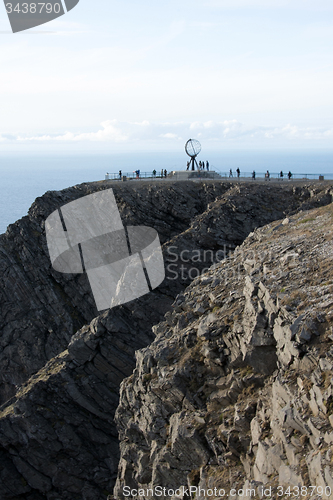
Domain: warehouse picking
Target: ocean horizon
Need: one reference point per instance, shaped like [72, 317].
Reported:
[27, 175]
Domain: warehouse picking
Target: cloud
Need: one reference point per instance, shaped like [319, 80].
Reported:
[169, 135]
[226, 132]
[108, 133]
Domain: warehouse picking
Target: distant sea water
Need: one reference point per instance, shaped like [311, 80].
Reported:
[27, 175]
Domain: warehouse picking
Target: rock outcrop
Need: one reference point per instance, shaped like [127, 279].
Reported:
[40, 308]
[57, 435]
[236, 389]
[62, 363]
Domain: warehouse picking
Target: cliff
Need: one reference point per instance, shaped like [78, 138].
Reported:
[62, 363]
[236, 389]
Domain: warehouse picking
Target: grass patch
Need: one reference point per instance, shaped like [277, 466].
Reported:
[327, 376]
[246, 370]
[329, 405]
[309, 219]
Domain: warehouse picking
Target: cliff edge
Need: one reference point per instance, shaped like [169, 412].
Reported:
[235, 392]
[62, 363]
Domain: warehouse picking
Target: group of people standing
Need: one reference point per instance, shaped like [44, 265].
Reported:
[237, 171]
[164, 173]
[201, 165]
[267, 174]
[281, 175]
[289, 175]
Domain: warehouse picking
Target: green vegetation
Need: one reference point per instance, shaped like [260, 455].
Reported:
[147, 377]
[310, 219]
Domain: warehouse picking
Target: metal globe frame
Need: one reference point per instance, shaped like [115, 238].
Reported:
[192, 149]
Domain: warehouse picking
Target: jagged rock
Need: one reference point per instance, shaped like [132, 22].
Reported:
[61, 368]
[267, 407]
[58, 434]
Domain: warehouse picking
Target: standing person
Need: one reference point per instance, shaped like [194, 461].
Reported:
[238, 172]
[119, 174]
[200, 165]
[253, 175]
[154, 173]
[281, 175]
[267, 176]
[289, 175]
[230, 173]
[165, 173]
[207, 165]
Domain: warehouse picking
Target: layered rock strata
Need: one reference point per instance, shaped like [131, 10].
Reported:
[57, 435]
[61, 365]
[236, 389]
[41, 309]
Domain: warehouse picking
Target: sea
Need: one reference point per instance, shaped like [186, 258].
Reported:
[25, 175]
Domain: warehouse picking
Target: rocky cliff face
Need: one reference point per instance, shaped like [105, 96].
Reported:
[40, 308]
[62, 363]
[236, 389]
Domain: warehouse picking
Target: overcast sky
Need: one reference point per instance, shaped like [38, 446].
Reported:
[130, 75]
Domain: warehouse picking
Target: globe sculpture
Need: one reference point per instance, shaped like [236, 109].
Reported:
[192, 149]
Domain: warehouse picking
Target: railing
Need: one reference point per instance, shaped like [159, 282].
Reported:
[275, 176]
[133, 175]
[215, 174]
[173, 174]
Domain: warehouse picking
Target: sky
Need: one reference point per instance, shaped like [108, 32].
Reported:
[130, 75]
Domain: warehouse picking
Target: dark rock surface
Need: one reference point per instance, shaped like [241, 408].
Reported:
[61, 363]
[40, 308]
[58, 432]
